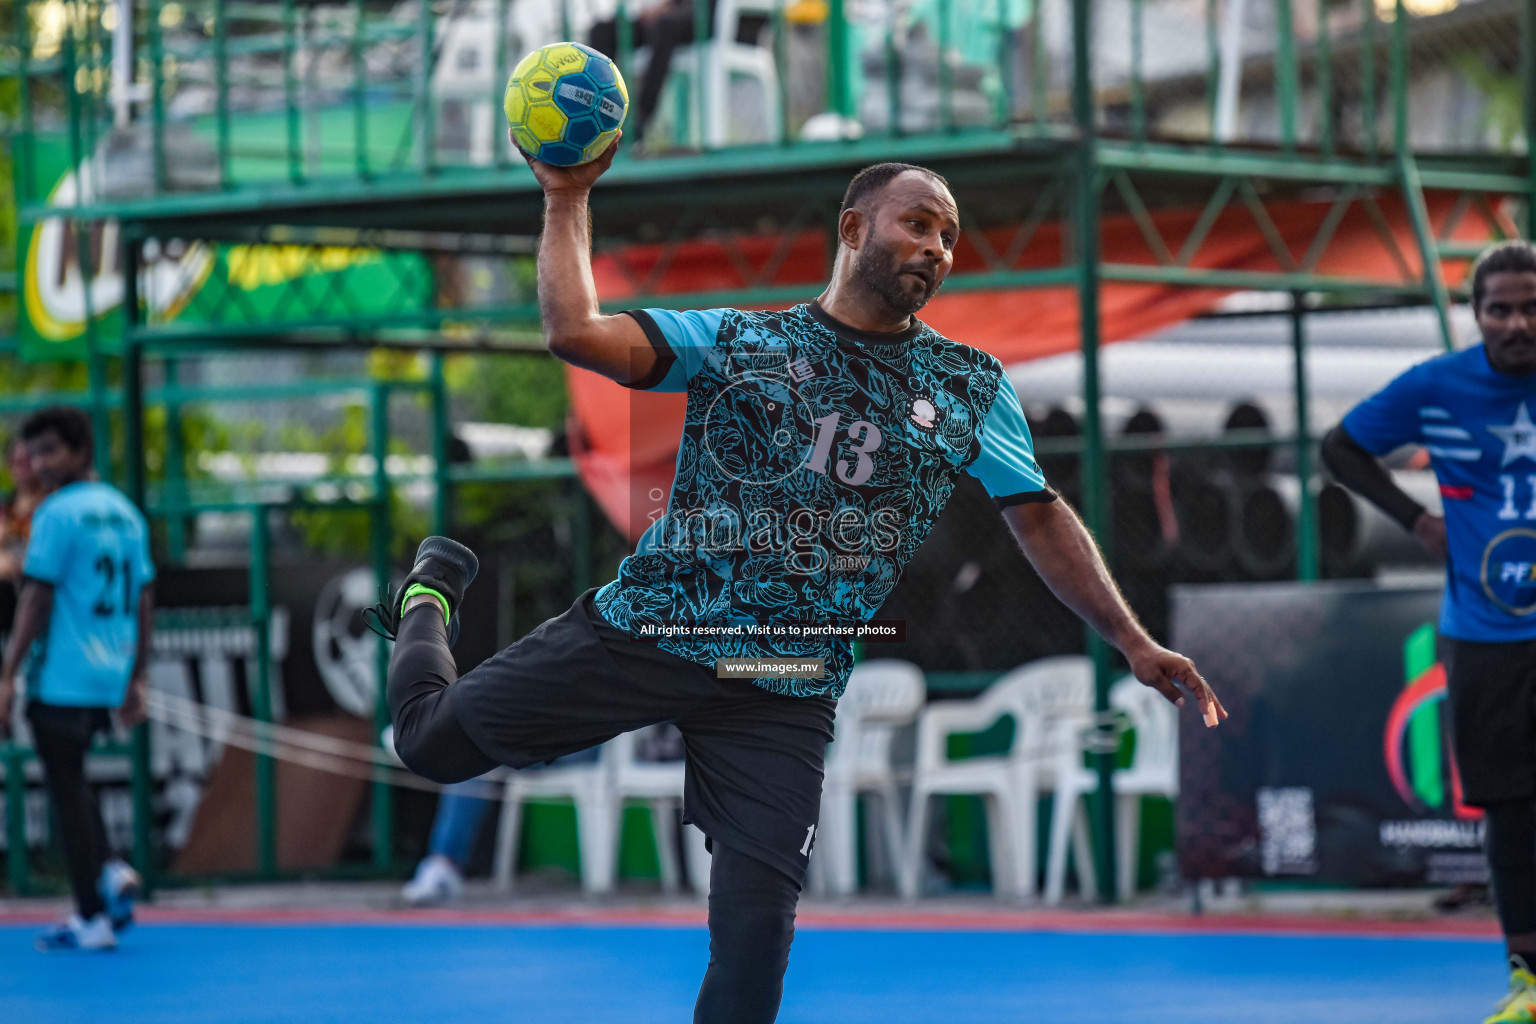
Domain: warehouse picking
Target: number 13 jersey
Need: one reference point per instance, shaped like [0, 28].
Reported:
[814, 460]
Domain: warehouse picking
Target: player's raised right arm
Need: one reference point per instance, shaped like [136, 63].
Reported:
[574, 327]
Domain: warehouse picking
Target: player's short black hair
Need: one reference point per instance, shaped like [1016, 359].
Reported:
[69, 424]
[872, 179]
[1516, 257]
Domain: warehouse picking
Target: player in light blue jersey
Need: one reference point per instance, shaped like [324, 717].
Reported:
[819, 446]
[1471, 410]
[83, 619]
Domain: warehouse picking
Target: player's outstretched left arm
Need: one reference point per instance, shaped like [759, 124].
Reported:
[1064, 553]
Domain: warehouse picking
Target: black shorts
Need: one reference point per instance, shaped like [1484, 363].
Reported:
[753, 758]
[1492, 696]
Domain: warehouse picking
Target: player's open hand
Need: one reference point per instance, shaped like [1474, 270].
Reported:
[1166, 671]
[578, 178]
[1429, 530]
[135, 706]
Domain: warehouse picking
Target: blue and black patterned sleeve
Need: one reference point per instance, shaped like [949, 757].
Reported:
[1006, 464]
[682, 340]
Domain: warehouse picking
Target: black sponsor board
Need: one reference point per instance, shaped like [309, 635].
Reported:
[1335, 764]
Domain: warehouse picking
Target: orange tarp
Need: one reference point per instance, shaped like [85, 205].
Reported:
[625, 442]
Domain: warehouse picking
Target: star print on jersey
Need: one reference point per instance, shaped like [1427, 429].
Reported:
[1519, 438]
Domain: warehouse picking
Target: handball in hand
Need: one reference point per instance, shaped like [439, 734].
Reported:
[565, 103]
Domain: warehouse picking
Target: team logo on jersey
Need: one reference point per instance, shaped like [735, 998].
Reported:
[1509, 571]
[923, 412]
[801, 370]
[1519, 438]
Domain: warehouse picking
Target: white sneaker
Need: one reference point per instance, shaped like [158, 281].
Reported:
[437, 880]
[78, 933]
[119, 885]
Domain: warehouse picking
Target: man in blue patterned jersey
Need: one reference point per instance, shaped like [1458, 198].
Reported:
[1471, 410]
[819, 447]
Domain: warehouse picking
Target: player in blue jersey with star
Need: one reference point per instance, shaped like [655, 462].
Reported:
[1471, 410]
[83, 617]
[819, 446]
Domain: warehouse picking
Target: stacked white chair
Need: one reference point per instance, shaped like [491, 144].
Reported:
[599, 789]
[587, 785]
[725, 59]
[1039, 697]
[882, 696]
[660, 784]
[1154, 771]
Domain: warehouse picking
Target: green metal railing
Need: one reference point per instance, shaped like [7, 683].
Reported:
[174, 500]
[282, 138]
[247, 89]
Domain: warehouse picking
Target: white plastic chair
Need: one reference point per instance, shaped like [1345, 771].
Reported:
[724, 59]
[1038, 696]
[588, 785]
[1154, 771]
[660, 784]
[883, 695]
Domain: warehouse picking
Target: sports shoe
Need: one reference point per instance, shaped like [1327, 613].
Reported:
[119, 885]
[78, 933]
[437, 880]
[1519, 1007]
[443, 567]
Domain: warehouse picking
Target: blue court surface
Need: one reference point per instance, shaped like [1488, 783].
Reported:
[213, 973]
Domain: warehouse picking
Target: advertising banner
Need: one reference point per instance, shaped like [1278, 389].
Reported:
[69, 282]
[1336, 763]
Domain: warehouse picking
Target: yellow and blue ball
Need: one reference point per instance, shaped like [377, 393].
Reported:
[565, 103]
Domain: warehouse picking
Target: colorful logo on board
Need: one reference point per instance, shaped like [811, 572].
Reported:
[1422, 768]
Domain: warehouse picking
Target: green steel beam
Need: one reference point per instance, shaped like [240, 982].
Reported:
[1253, 280]
[1285, 73]
[1324, 72]
[1399, 72]
[133, 485]
[378, 536]
[266, 766]
[1463, 175]
[839, 74]
[1307, 540]
[271, 201]
[1085, 254]
[441, 433]
[1528, 78]
[1424, 236]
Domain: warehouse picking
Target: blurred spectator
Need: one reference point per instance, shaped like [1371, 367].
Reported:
[16, 509]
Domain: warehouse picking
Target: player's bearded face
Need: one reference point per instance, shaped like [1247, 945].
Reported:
[1507, 320]
[905, 286]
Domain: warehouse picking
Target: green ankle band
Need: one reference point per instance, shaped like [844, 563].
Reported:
[417, 588]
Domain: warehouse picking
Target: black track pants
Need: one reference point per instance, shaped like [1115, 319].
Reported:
[1510, 838]
[61, 736]
[751, 924]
